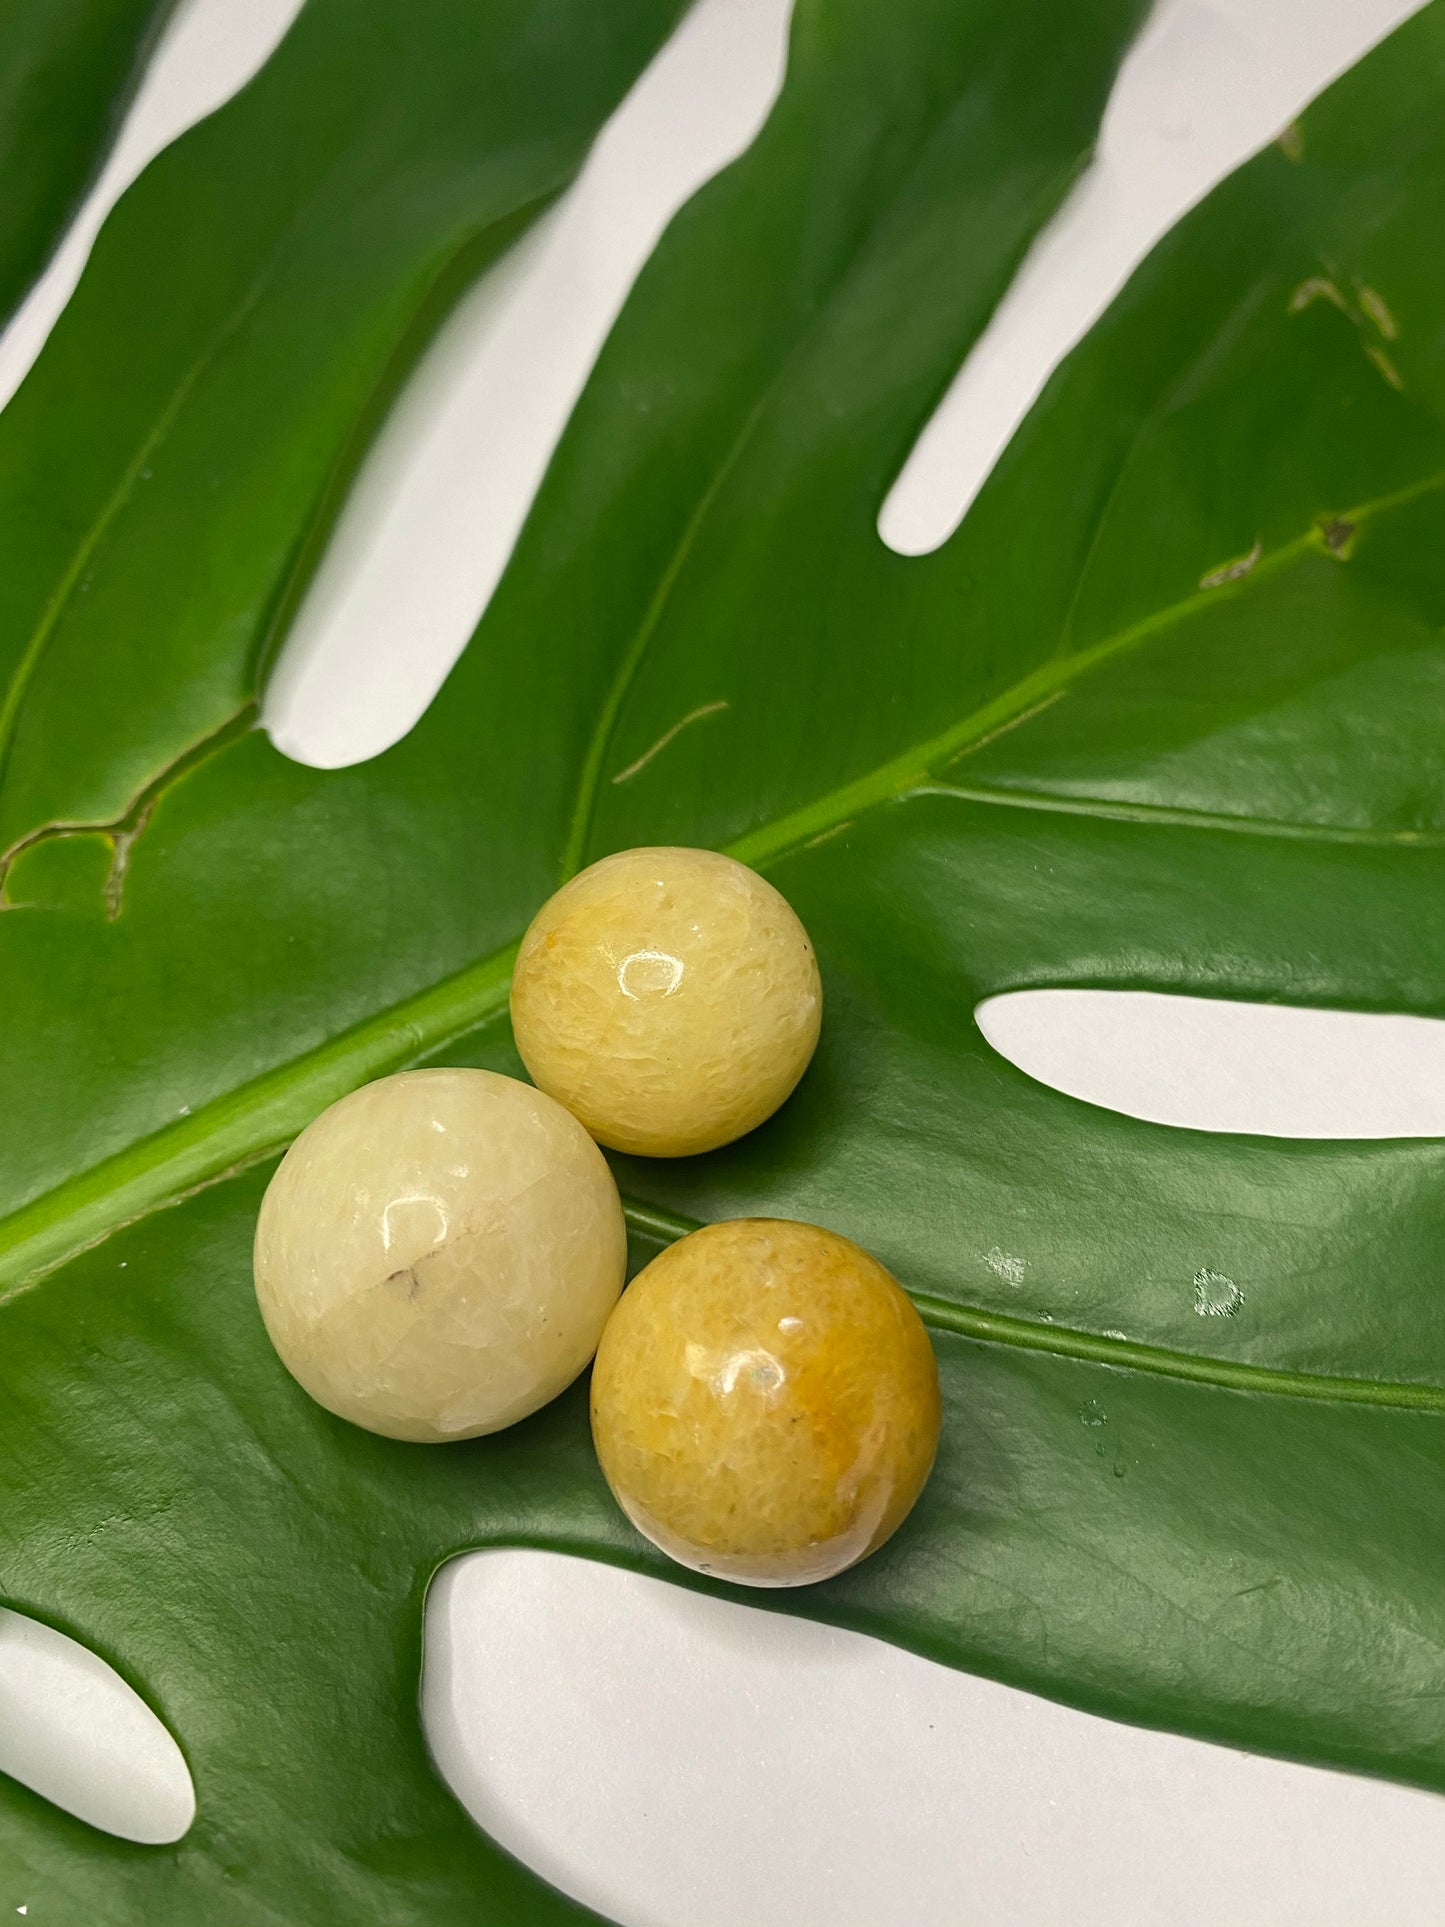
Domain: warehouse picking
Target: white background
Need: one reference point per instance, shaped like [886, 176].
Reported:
[681, 1762]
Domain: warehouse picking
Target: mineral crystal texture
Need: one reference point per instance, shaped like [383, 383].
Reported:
[669, 998]
[765, 1402]
[438, 1252]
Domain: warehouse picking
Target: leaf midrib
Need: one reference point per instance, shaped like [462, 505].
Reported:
[258, 1118]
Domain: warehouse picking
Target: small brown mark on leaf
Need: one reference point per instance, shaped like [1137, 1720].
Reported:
[1337, 535]
[1291, 141]
[1372, 303]
[1319, 287]
[122, 843]
[1013, 722]
[125, 830]
[824, 835]
[693, 716]
[1386, 367]
[1232, 571]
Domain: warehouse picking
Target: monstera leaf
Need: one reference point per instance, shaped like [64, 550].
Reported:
[1163, 713]
[66, 72]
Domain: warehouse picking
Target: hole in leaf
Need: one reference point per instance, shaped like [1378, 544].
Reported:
[666, 1757]
[435, 510]
[1201, 90]
[208, 52]
[1215, 1065]
[72, 1730]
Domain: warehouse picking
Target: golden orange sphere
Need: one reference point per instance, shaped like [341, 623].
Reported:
[765, 1402]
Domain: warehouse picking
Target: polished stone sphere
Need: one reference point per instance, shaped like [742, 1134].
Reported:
[669, 998]
[765, 1402]
[437, 1253]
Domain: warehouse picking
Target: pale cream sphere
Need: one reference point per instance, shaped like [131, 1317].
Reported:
[438, 1252]
[669, 998]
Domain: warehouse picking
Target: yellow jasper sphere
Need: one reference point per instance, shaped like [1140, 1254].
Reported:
[669, 998]
[765, 1403]
[437, 1254]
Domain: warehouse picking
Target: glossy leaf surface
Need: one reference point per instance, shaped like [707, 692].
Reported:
[1161, 715]
[67, 69]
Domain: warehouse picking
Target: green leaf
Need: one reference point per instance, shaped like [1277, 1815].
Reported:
[264, 287]
[67, 72]
[1081, 744]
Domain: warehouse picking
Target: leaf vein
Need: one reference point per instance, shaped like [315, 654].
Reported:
[1105, 810]
[64, 592]
[912, 768]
